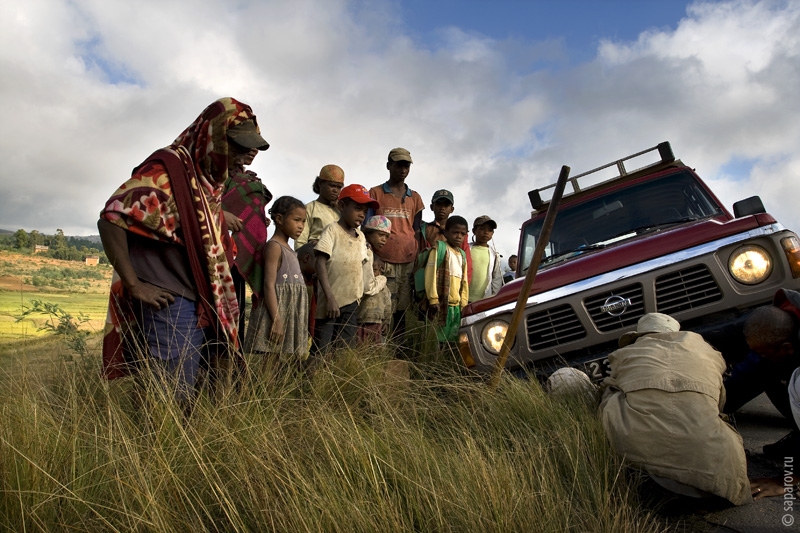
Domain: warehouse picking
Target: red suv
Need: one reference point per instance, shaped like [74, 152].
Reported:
[655, 239]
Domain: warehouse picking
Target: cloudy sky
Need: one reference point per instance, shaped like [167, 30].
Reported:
[490, 97]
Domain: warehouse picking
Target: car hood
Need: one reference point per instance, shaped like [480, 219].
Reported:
[621, 254]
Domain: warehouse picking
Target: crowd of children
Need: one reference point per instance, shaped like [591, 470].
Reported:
[357, 254]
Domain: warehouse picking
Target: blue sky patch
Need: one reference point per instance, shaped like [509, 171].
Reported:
[96, 60]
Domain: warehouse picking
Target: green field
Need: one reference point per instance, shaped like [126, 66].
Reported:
[13, 303]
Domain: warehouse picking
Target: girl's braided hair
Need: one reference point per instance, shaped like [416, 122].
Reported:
[283, 206]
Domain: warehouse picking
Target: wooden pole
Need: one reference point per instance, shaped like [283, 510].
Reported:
[525, 291]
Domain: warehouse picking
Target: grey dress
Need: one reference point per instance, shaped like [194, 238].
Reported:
[293, 308]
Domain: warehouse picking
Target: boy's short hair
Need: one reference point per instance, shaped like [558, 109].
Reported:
[306, 250]
[456, 221]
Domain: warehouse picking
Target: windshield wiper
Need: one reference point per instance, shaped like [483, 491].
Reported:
[562, 255]
[650, 227]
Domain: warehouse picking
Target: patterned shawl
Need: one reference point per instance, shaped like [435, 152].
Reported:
[247, 198]
[174, 197]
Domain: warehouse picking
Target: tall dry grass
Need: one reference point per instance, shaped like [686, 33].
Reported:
[352, 448]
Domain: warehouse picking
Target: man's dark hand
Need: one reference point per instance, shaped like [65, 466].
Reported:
[155, 297]
[234, 223]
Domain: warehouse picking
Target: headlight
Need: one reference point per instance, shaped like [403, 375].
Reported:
[750, 264]
[493, 334]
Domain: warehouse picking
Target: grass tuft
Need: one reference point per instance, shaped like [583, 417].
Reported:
[358, 446]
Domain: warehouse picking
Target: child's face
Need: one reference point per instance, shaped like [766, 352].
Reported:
[376, 239]
[353, 214]
[398, 170]
[442, 209]
[512, 263]
[377, 268]
[483, 234]
[293, 222]
[455, 235]
[329, 190]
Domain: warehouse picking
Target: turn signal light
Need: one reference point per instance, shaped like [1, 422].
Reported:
[463, 349]
[791, 247]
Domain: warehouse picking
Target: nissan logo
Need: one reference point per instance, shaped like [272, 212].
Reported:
[615, 305]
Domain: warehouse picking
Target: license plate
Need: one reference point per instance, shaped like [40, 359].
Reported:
[598, 369]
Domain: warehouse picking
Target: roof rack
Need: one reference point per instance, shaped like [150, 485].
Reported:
[664, 151]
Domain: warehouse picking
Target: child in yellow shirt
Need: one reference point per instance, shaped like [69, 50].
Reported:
[446, 285]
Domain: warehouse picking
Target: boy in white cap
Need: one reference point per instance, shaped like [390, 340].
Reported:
[375, 309]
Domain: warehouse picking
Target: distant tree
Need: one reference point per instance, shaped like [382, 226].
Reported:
[36, 238]
[22, 240]
[59, 240]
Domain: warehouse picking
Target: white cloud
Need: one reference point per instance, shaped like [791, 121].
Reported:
[91, 87]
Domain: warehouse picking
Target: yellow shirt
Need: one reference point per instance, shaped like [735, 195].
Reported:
[318, 215]
[458, 294]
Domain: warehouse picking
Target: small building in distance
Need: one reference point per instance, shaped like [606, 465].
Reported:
[40, 248]
[92, 260]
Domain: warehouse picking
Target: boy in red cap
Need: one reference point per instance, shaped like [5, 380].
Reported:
[340, 255]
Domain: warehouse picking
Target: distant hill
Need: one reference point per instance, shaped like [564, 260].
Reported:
[90, 238]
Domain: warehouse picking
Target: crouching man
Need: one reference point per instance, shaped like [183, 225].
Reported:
[661, 410]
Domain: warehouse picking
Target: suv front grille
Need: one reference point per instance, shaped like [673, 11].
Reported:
[553, 327]
[686, 289]
[604, 321]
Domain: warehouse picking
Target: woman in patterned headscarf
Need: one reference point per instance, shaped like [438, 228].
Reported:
[172, 295]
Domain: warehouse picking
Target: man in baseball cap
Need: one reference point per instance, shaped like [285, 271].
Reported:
[247, 135]
[487, 277]
[404, 208]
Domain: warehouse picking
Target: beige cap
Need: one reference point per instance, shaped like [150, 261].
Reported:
[650, 323]
[332, 173]
[400, 154]
[484, 219]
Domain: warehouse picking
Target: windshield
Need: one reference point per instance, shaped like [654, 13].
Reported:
[620, 215]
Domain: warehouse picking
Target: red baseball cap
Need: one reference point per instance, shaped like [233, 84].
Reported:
[360, 195]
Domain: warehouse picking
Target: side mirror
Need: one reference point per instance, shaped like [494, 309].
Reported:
[748, 206]
[535, 199]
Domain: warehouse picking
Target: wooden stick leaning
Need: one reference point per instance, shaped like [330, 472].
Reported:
[525, 291]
